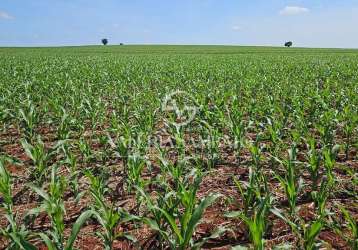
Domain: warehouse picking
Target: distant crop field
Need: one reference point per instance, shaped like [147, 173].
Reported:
[178, 147]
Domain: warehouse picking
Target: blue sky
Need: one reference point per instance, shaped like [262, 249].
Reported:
[310, 23]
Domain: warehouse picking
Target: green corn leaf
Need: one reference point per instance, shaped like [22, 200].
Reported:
[283, 247]
[151, 223]
[351, 222]
[27, 245]
[39, 191]
[217, 233]
[315, 229]
[197, 215]
[279, 214]
[15, 238]
[77, 227]
[239, 248]
[47, 241]
[172, 223]
[234, 214]
[100, 219]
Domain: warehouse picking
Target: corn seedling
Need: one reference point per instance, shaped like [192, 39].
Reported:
[29, 119]
[352, 225]
[181, 219]
[350, 121]
[237, 127]
[54, 206]
[106, 214]
[306, 232]
[135, 167]
[64, 130]
[18, 236]
[41, 158]
[291, 183]
[256, 222]
[253, 191]
[74, 173]
[314, 161]
[86, 151]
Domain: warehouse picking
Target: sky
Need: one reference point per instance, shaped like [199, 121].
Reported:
[308, 23]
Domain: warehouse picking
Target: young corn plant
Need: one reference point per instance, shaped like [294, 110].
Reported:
[18, 236]
[107, 214]
[256, 187]
[237, 127]
[314, 162]
[41, 158]
[275, 133]
[350, 121]
[63, 130]
[177, 171]
[352, 226]
[180, 144]
[178, 222]
[329, 156]
[54, 206]
[86, 151]
[306, 232]
[214, 147]
[165, 199]
[29, 120]
[256, 201]
[255, 221]
[211, 144]
[256, 154]
[321, 195]
[291, 182]
[135, 166]
[5, 116]
[123, 148]
[252, 191]
[71, 162]
[326, 128]
[124, 145]
[105, 153]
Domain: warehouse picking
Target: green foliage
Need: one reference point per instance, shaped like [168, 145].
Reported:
[352, 225]
[307, 232]
[54, 206]
[177, 213]
[107, 214]
[256, 221]
[291, 183]
[268, 117]
[41, 158]
[19, 236]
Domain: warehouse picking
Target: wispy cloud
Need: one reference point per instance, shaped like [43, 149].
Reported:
[293, 10]
[5, 15]
[236, 28]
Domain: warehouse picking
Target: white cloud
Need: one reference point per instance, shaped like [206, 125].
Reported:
[293, 10]
[236, 28]
[4, 15]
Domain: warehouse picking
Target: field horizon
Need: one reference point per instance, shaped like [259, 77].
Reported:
[178, 45]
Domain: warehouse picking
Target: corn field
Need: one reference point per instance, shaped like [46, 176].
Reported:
[178, 147]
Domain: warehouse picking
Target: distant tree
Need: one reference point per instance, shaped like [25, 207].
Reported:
[121, 44]
[104, 41]
[288, 44]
